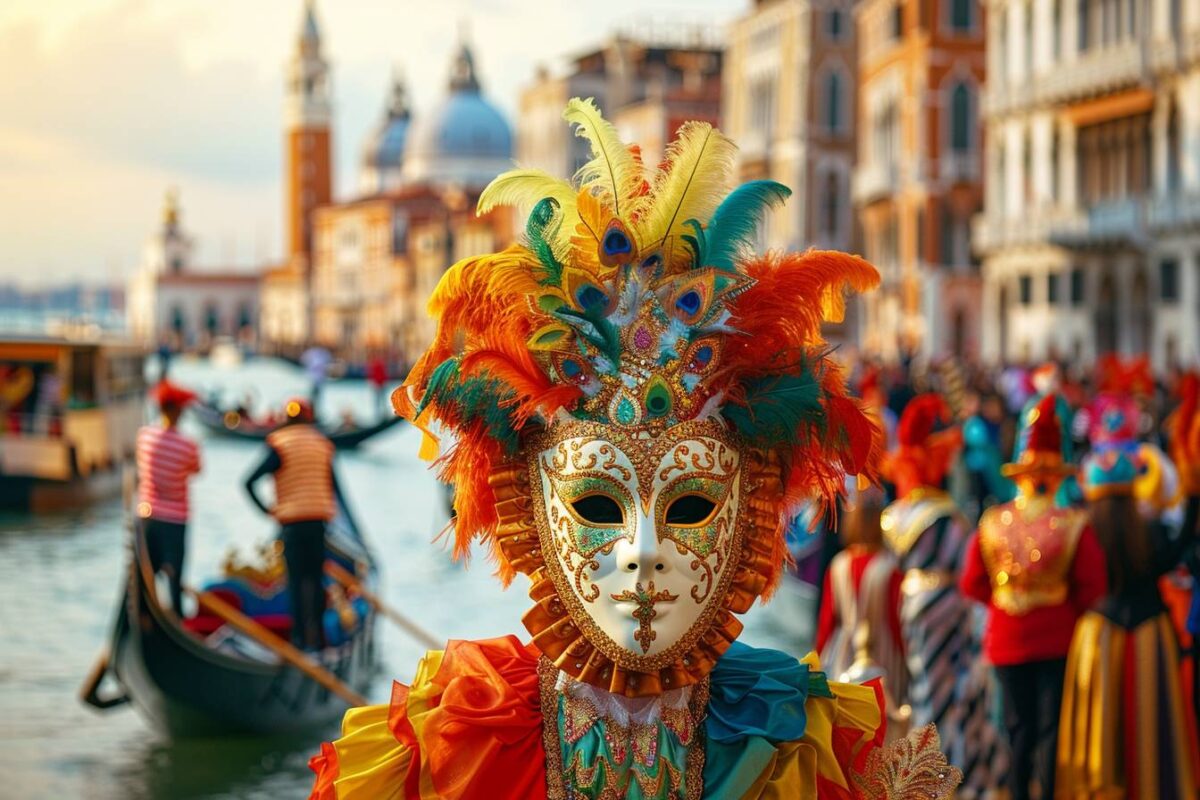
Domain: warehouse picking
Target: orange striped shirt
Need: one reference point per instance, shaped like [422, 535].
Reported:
[165, 460]
[304, 480]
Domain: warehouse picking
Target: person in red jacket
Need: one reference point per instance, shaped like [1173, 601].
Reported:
[1038, 567]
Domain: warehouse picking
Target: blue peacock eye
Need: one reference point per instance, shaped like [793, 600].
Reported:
[590, 296]
[652, 261]
[702, 356]
[616, 243]
[571, 368]
[689, 302]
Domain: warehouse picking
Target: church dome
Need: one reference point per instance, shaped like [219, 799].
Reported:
[383, 153]
[465, 139]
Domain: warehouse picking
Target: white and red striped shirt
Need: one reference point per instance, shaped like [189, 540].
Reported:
[165, 460]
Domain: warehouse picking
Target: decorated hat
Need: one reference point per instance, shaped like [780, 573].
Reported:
[166, 394]
[1107, 472]
[634, 403]
[1042, 453]
[922, 456]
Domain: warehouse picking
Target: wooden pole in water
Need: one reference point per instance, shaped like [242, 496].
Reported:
[284, 650]
[342, 576]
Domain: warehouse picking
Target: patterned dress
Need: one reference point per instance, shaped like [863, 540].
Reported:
[949, 684]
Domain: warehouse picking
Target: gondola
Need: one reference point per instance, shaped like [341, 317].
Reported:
[230, 423]
[187, 688]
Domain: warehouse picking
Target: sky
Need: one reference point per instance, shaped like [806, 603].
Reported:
[105, 104]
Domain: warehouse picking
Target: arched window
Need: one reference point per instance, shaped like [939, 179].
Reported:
[834, 105]
[961, 102]
[961, 15]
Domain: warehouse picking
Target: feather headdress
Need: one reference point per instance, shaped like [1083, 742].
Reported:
[635, 300]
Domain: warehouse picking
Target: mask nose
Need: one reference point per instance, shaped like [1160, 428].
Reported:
[642, 556]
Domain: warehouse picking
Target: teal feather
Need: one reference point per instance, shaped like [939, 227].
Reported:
[539, 229]
[601, 333]
[475, 399]
[444, 376]
[695, 244]
[776, 408]
[734, 224]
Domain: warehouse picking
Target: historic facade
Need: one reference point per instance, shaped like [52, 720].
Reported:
[1091, 229]
[169, 301]
[918, 181]
[648, 82]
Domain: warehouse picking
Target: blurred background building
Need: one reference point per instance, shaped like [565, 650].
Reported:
[918, 180]
[1089, 232]
[172, 302]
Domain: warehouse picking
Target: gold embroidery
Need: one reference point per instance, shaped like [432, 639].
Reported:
[644, 612]
[905, 520]
[1028, 553]
[909, 768]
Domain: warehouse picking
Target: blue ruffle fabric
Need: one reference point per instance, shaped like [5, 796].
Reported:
[756, 700]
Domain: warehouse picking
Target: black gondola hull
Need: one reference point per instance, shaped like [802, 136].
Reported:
[217, 422]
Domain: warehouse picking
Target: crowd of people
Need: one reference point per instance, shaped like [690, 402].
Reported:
[1024, 578]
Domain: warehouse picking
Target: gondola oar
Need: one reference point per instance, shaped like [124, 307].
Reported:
[283, 649]
[342, 576]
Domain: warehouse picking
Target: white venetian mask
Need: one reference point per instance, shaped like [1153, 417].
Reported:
[641, 533]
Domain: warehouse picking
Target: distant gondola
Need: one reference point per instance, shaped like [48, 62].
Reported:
[188, 688]
[231, 423]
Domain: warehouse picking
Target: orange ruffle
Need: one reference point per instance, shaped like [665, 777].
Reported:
[469, 727]
[557, 636]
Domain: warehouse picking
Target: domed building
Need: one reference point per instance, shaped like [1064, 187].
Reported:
[465, 140]
[383, 153]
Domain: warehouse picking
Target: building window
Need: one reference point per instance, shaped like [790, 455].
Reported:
[1077, 288]
[1025, 289]
[762, 106]
[1056, 29]
[1168, 280]
[833, 102]
[961, 15]
[960, 118]
[836, 23]
[946, 242]
[1052, 288]
[897, 21]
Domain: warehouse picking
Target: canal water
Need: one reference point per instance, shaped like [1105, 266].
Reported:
[60, 576]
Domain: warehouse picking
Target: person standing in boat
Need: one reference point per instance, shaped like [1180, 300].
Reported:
[300, 458]
[166, 460]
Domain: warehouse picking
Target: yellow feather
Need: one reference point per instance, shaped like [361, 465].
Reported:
[691, 186]
[613, 167]
[523, 189]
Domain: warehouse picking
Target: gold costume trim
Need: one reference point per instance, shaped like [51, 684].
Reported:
[908, 768]
[1028, 546]
[904, 521]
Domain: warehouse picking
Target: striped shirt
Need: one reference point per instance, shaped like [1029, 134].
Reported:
[304, 480]
[165, 460]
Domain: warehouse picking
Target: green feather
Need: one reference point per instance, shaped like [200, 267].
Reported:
[601, 333]
[539, 230]
[736, 220]
[777, 407]
[443, 377]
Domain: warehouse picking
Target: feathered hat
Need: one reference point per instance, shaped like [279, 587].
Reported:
[1042, 454]
[922, 456]
[634, 300]
[166, 394]
[1183, 427]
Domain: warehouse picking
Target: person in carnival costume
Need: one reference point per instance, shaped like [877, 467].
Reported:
[1046, 381]
[1125, 730]
[637, 405]
[927, 533]
[860, 604]
[1183, 430]
[1037, 566]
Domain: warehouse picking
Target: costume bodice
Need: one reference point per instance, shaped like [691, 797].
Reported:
[926, 531]
[1028, 546]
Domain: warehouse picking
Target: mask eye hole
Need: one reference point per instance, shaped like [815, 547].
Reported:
[690, 509]
[598, 509]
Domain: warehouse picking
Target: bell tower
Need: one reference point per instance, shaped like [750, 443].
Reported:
[307, 122]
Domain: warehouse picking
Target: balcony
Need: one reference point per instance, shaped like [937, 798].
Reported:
[1174, 212]
[1092, 72]
[959, 167]
[991, 232]
[1112, 222]
[875, 182]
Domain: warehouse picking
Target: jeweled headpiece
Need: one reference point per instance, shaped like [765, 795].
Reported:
[637, 401]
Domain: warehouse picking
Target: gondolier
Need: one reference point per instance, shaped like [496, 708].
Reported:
[166, 460]
[300, 457]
